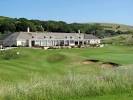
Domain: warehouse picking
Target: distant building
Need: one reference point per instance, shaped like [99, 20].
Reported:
[33, 39]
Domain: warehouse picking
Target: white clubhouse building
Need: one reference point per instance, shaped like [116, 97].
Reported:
[48, 39]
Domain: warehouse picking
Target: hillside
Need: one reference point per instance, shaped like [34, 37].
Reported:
[101, 30]
[107, 26]
[126, 39]
[3, 17]
[115, 27]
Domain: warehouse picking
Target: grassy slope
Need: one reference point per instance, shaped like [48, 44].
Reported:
[39, 62]
[35, 61]
[122, 27]
[126, 39]
[2, 17]
[111, 25]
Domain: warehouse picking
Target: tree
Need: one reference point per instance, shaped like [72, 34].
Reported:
[15, 25]
[39, 28]
[94, 29]
[7, 27]
[22, 25]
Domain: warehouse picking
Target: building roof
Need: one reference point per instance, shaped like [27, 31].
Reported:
[48, 35]
[23, 35]
[12, 36]
[90, 36]
[3, 36]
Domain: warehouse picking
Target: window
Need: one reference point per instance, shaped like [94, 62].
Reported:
[44, 37]
[50, 37]
[71, 37]
[32, 36]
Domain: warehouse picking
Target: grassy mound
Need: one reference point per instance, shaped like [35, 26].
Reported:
[56, 58]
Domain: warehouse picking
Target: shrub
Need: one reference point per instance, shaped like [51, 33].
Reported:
[13, 45]
[9, 54]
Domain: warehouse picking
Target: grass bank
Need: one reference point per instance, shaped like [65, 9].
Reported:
[60, 74]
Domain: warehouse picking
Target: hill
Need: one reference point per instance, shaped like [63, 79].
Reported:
[101, 30]
[115, 27]
[126, 39]
[3, 17]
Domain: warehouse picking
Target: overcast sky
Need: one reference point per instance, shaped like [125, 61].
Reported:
[111, 11]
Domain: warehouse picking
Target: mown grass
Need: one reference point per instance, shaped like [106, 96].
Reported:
[61, 75]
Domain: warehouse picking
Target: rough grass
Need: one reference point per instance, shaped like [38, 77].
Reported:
[72, 86]
[60, 74]
[126, 39]
[9, 54]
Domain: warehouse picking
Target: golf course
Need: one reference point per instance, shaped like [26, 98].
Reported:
[67, 74]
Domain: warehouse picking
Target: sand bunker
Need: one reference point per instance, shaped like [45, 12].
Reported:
[109, 65]
[90, 61]
[101, 63]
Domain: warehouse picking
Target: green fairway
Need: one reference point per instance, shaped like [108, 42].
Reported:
[37, 74]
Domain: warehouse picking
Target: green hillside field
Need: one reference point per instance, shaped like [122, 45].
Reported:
[126, 39]
[65, 74]
[113, 26]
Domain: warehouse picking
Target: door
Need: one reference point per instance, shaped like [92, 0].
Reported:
[33, 43]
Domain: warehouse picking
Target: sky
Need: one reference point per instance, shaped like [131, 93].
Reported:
[83, 11]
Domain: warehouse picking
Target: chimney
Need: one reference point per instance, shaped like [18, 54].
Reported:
[42, 28]
[28, 29]
[78, 31]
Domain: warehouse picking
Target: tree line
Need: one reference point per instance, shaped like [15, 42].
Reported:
[9, 25]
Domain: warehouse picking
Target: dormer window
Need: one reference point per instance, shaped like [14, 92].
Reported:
[50, 37]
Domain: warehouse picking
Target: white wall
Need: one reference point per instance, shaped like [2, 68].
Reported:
[95, 41]
[22, 43]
